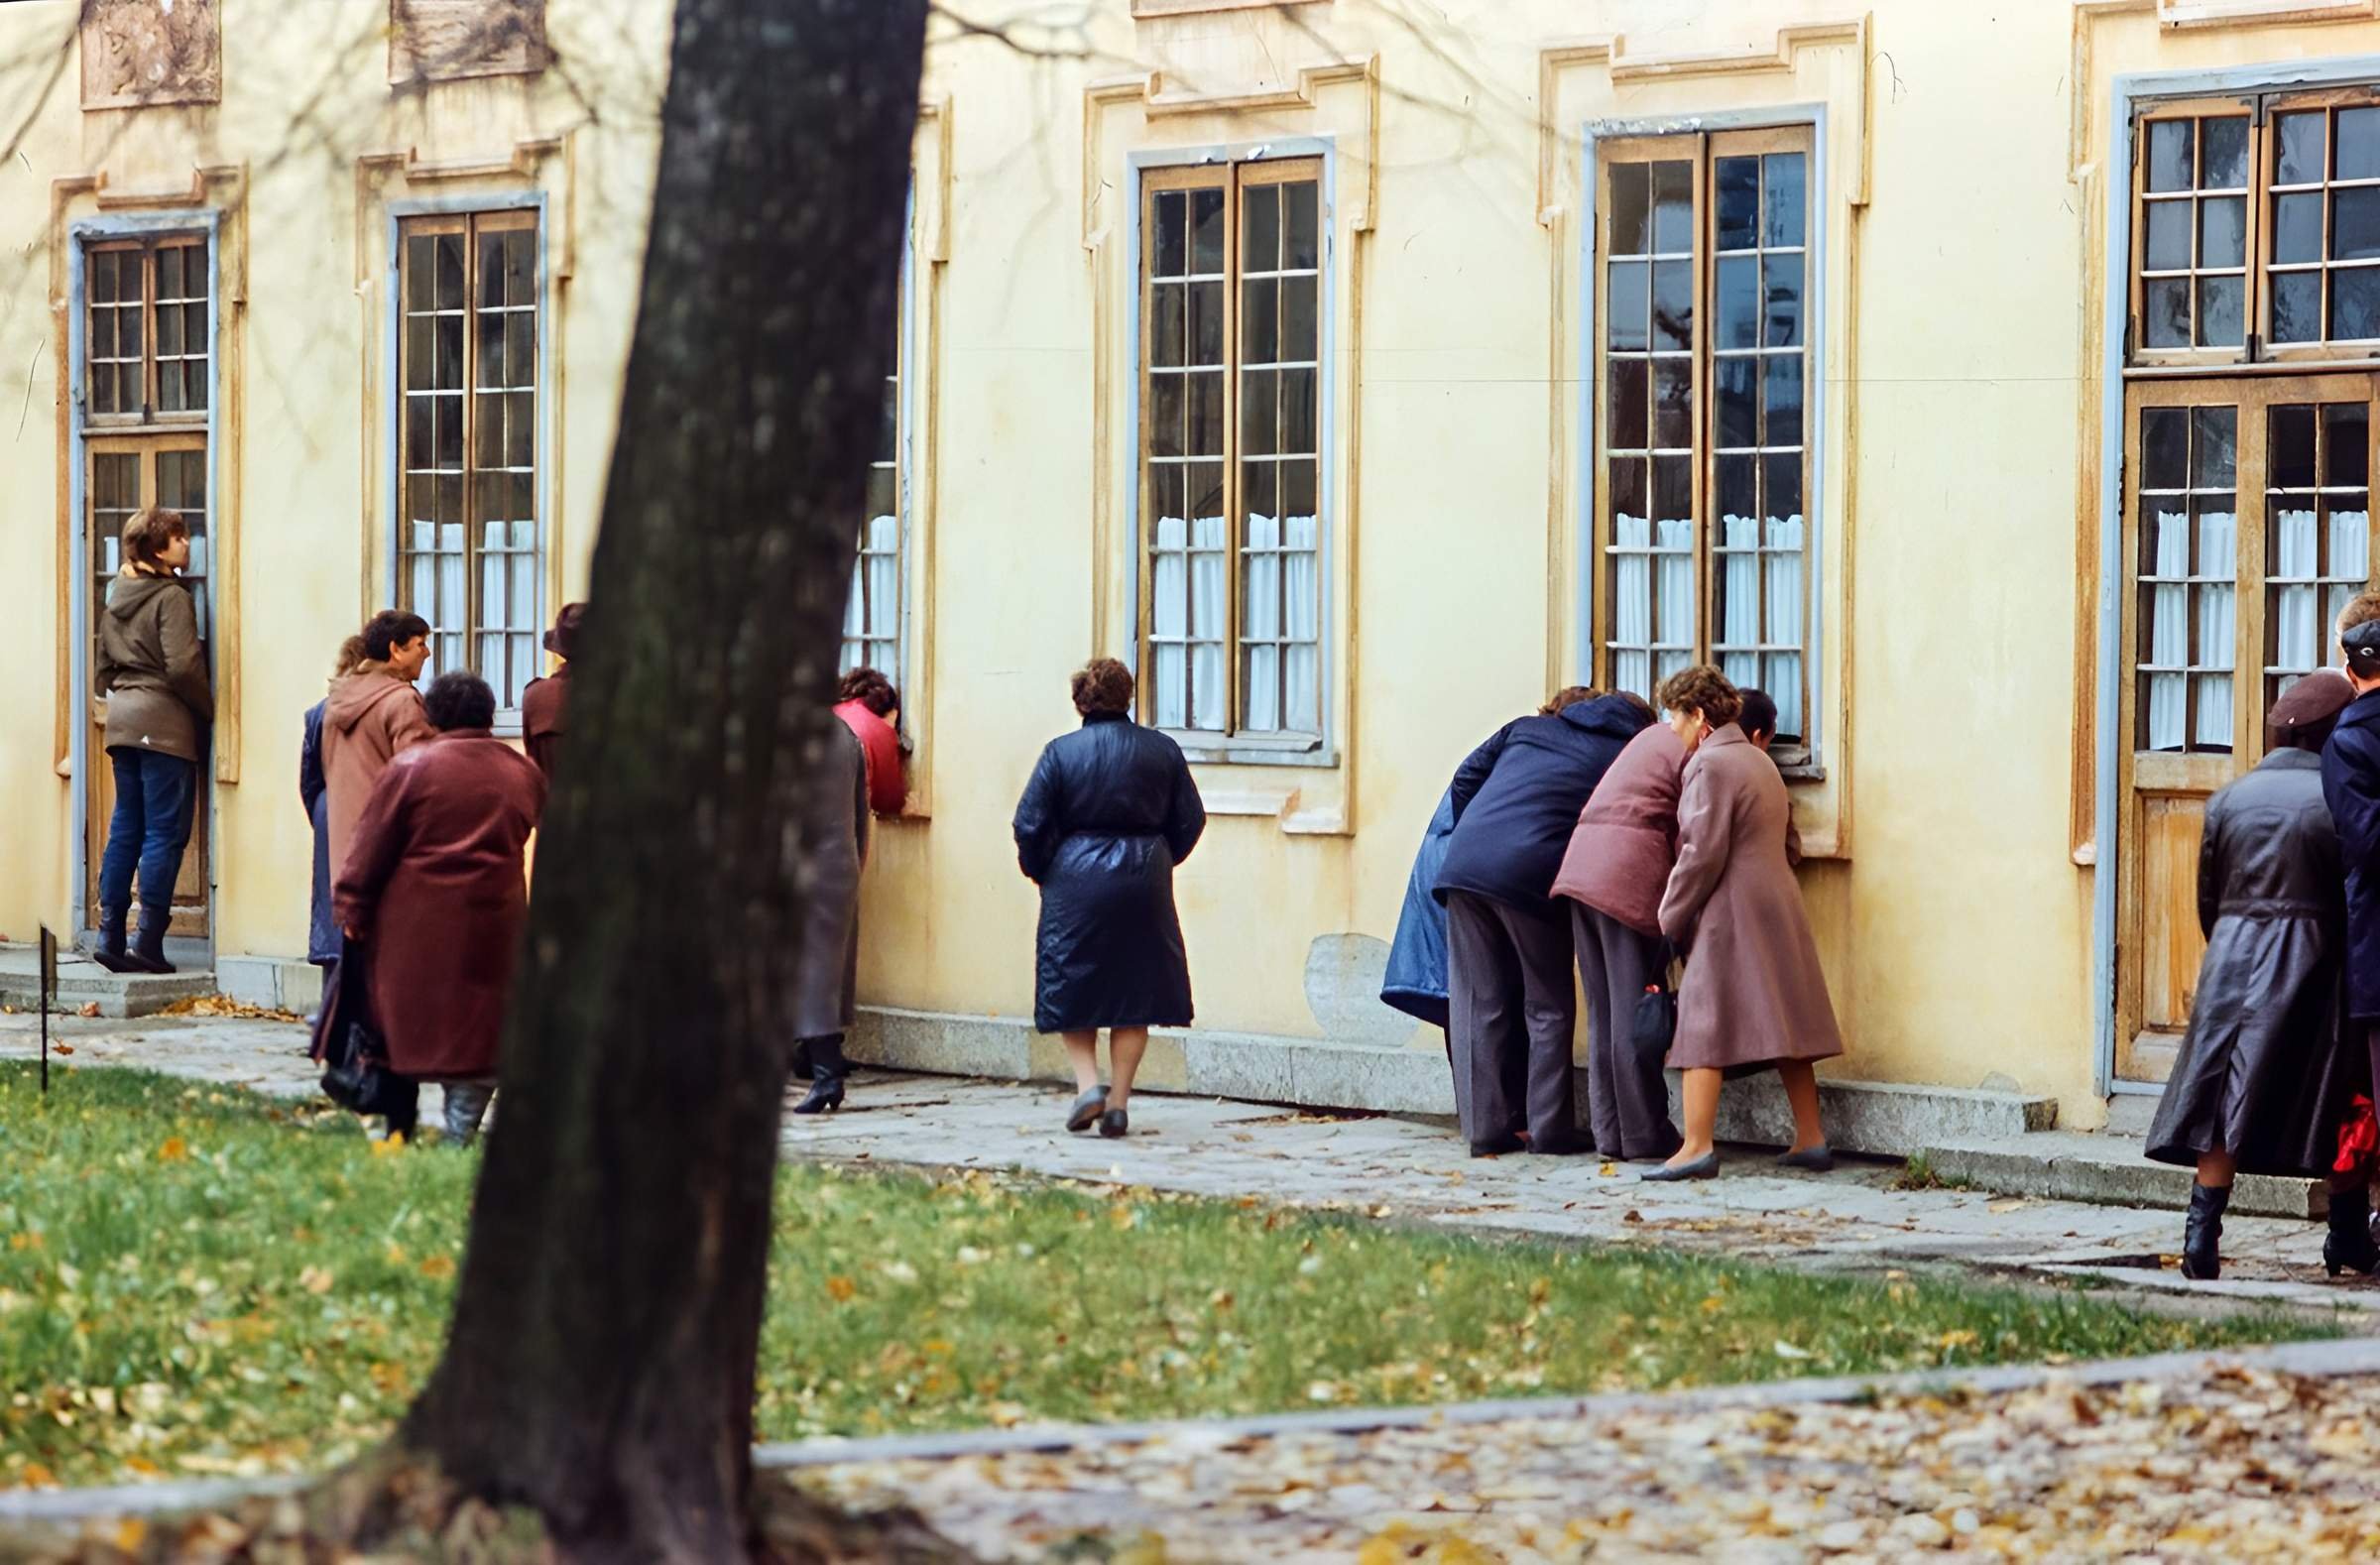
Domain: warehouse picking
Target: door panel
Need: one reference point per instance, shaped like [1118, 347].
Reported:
[2246, 525]
[125, 474]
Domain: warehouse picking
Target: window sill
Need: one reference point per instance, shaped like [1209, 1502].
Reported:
[1802, 770]
[1205, 750]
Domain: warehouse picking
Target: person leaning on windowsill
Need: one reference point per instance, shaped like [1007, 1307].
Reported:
[871, 708]
[1754, 997]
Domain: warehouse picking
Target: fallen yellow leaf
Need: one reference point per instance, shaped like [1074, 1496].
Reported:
[841, 1289]
[174, 1150]
[315, 1280]
[438, 1267]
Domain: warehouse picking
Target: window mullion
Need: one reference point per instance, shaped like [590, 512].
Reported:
[1705, 390]
[1235, 524]
[468, 657]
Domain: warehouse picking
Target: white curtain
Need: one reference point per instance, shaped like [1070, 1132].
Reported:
[494, 598]
[195, 570]
[1739, 622]
[1169, 616]
[1260, 622]
[2219, 554]
[2169, 633]
[2297, 632]
[1783, 589]
[1674, 597]
[1302, 584]
[2350, 566]
[1631, 607]
[1207, 561]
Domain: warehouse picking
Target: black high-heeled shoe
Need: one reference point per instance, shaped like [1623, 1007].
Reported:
[826, 1092]
[2203, 1232]
[2350, 1245]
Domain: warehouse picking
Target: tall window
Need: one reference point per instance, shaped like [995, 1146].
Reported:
[2256, 232]
[872, 620]
[147, 374]
[1231, 449]
[1702, 262]
[469, 546]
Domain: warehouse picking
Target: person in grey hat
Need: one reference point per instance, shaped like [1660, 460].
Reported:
[2264, 1079]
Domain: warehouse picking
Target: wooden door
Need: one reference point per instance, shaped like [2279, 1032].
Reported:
[126, 473]
[2247, 525]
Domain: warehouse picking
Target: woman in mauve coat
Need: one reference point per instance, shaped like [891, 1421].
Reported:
[1613, 874]
[1754, 997]
[826, 985]
[1110, 811]
[433, 893]
[545, 704]
[2262, 1083]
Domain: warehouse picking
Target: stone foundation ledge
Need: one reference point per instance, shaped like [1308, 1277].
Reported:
[1882, 1119]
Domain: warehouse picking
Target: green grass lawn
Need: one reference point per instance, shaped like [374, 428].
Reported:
[201, 1280]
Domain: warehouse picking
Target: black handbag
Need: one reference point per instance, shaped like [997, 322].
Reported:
[355, 1061]
[1656, 1024]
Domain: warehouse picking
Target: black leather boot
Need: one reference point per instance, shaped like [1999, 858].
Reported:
[149, 950]
[827, 1069]
[2350, 1246]
[110, 952]
[2203, 1232]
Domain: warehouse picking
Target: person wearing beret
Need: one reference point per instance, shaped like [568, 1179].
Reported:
[545, 704]
[2264, 1078]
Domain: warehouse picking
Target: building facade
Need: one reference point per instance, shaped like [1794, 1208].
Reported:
[1992, 385]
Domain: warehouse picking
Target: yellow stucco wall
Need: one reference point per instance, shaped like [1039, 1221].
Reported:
[1961, 349]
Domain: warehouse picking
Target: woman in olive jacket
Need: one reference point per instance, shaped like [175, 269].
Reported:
[152, 669]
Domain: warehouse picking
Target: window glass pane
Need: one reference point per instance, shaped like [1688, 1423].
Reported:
[1206, 323]
[1673, 305]
[2224, 153]
[2355, 224]
[2355, 304]
[2298, 306]
[1629, 394]
[1736, 408]
[2166, 305]
[2223, 311]
[1784, 199]
[1737, 282]
[2222, 231]
[2301, 151]
[1736, 183]
[2172, 155]
[2346, 445]
[2290, 458]
[1673, 404]
[1631, 210]
[1672, 208]
[1206, 232]
[1171, 247]
[2167, 224]
[2358, 143]
[1781, 400]
[1782, 275]
[2163, 447]
[1301, 228]
[1628, 297]
[1301, 329]
[2213, 446]
[1261, 228]
[2297, 228]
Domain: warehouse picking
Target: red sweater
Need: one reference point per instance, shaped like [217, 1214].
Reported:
[880, 745]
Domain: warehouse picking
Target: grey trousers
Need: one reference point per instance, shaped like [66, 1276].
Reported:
[1512, 1018]
[466, 1105]
[1627, 1099]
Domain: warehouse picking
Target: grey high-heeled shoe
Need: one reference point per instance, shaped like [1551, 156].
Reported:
[1087, 1110]
[1702, 1167]
[1814, 1159]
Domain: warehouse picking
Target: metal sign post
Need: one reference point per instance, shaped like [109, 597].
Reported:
[48, 988]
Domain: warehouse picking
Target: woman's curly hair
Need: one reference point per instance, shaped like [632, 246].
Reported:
[1704, 690]
[1103, 685]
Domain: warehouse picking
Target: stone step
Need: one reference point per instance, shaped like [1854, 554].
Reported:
[2110, 1170]
[82, 982]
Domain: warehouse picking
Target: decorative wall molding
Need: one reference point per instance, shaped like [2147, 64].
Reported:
[136, 54]
[456, 39]
[2180, 14]
[1144, 9]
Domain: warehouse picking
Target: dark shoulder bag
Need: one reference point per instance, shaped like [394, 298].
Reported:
[355, 1061]
[1656, 1025]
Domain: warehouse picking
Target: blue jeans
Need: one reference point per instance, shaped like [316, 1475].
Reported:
[156, 801]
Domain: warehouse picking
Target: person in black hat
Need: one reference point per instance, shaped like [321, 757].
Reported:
[545, 704]
[2351, 788]
[2264, 1080]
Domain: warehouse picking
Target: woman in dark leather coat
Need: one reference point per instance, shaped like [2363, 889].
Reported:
[1110, 811]
[2262, 1082]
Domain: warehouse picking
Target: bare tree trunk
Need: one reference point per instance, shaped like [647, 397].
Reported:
[602, 1359]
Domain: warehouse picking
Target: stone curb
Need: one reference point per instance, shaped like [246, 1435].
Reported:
[2318, 1360]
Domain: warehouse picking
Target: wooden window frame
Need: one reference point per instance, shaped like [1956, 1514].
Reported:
[1232, 178]
[149, 247]
[2258, 353]
[472, 226]
[1703, 149]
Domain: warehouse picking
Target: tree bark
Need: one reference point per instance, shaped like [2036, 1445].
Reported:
[601, 1363]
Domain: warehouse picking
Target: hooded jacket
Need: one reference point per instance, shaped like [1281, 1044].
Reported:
[1519, 795]
[152, 667]
[369, 717]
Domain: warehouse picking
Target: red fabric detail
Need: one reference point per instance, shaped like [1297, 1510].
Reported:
[2358, 1138]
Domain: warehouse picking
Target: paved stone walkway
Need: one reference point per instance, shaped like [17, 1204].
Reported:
[1406, 1171]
